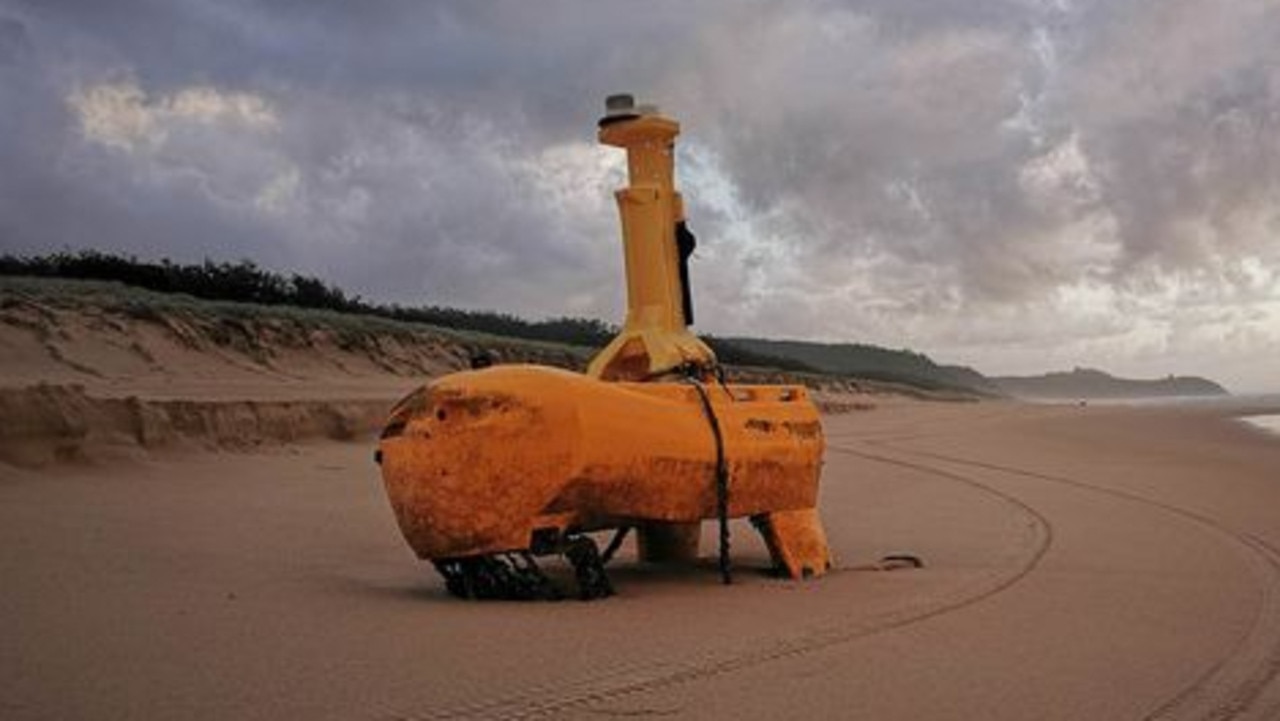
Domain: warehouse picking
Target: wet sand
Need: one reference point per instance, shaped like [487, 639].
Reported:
[1081, 563]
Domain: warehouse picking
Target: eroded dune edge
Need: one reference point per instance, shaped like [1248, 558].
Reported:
[52, 423]
[93, 370]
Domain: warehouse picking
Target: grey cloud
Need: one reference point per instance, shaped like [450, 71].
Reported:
[14, 44]
[893, 167]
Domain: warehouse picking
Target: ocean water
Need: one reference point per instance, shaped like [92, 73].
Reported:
[1258, 410]
[1266, 423]
[1253, 405]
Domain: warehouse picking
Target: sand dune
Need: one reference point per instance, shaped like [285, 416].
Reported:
[118, 341]
[94, 371]
[49, 424]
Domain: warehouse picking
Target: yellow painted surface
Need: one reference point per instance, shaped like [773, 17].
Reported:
[654, 338]
[477, 461]
[797, 541]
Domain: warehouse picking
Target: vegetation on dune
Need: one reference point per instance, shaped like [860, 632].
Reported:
[261, 332]
[245, 282]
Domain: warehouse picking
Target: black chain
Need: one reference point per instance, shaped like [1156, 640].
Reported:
[614, 544]
[515, 576]
[722, 478]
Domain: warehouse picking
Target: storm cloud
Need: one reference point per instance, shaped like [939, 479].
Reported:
[1019, 185]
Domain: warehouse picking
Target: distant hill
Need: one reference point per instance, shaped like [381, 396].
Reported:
[873, 362]
[1090, 383]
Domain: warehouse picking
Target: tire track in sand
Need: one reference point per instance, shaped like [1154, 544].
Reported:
[1239, 685]
[620, 681]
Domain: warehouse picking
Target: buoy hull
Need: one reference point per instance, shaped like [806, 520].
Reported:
[477, 462]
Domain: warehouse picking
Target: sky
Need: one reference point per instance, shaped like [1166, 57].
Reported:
[1016, 185]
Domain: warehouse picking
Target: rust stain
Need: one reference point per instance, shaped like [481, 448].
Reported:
[803, 429]
[527, 442]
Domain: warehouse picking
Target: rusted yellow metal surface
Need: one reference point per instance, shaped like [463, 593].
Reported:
[484, 462]
[655, 337]
[476, 462]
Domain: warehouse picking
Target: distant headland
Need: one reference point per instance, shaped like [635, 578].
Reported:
[1091, 383]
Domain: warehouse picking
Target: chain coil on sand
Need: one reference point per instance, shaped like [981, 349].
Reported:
[516, 576]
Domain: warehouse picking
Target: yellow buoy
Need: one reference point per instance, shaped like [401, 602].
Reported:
[487, 469]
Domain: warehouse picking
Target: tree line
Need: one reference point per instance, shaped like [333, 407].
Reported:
[244, 281]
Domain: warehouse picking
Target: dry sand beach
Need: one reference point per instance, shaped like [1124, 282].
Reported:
[1081, 563]
[191, 526]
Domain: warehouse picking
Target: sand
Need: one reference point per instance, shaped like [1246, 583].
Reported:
[194, 528]
[1081, 563]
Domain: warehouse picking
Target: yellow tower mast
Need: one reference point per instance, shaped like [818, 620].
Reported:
[655, 339]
